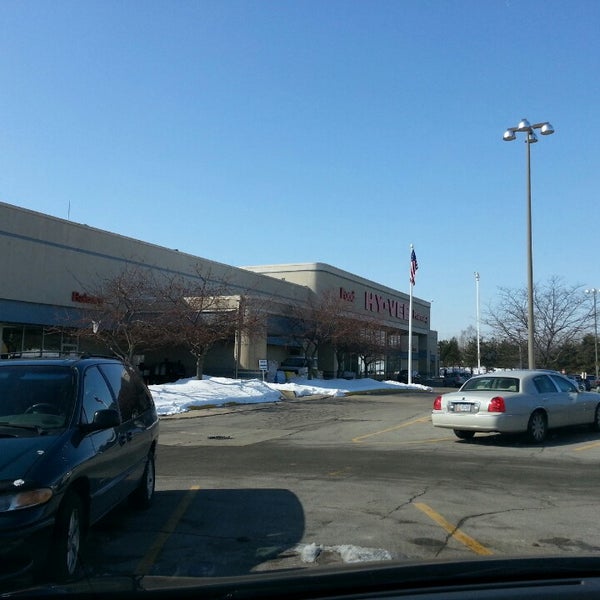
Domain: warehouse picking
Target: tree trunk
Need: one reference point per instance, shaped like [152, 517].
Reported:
[199, 366]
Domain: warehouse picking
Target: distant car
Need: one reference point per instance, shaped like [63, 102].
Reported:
[590, 382]
[403, 376]
[77, 437]
[524, 401]
[455, 379]
[298, 365]
[581, 383]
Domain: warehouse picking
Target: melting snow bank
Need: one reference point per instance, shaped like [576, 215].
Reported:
[309, 553]
[182, 395]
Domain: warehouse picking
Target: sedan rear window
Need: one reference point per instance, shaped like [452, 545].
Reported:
[501, 384]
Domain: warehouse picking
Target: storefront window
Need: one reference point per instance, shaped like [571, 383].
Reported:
[51, 343]
[33, 344]
[12, 340]
[31, 341]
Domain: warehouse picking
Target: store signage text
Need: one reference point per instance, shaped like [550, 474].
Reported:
[346, 295]
[397, 309]
[85, 298]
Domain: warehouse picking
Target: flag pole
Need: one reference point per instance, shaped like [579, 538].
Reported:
[410, 312]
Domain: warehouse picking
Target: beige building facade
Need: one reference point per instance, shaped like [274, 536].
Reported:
[50, 264]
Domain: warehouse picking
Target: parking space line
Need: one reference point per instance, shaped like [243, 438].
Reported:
[412, 442]
[453, 530]
[150, 557]
[587, 446]
[360, 438]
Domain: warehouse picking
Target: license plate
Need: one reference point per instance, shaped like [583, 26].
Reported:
[462, 407]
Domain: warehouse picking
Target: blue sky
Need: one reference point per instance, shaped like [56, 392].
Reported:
[300, 131]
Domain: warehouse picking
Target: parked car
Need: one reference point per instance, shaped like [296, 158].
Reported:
[581, 383]
[591, 382]
[455, 379]
[516, 401]
[298, 365]
[403, 376]
[77, 437]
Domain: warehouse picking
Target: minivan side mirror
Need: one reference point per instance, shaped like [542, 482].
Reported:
[103, 419]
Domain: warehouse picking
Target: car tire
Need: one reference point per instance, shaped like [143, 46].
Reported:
[463, 434]
[596, 423]
[67, 539]
[141, 497]
[537, 427]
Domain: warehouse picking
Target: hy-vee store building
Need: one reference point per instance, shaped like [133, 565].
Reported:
[50, 264]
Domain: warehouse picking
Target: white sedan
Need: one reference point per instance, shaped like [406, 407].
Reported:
[524, 401]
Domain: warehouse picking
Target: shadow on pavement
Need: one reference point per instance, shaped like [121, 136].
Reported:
[221, 532]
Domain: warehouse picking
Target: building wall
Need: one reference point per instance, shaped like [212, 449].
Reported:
[369, 300]
[364, 297]
[48, 261]
[50, 265]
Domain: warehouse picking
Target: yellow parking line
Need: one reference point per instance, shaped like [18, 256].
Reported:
[155, 549]
[360, 438]
[587, 446]
[454, 531]
[412, 442]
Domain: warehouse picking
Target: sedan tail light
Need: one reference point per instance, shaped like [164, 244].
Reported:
[437, 403]
[497, 405]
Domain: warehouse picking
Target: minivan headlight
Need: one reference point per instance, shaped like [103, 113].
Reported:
[24, 499]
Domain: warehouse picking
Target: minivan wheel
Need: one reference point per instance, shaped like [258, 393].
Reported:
[142, 496]
[537, 428]
[68, 537]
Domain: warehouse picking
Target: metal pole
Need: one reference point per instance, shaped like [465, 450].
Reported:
[509, 135]
[410, 310]
[530, 323]
[478, 345]
[595, 291]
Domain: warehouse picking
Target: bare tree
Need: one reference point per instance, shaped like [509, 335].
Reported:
[323, 320]
[122, 313]
[200, 312]
[561, 315]
[370, 344]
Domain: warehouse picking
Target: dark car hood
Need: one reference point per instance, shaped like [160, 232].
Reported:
[19, 455]
[531, 577]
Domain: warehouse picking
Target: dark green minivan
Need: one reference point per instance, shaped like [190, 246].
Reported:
[77, 437]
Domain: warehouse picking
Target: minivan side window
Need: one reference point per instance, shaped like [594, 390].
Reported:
[96, 395]
[131, 393]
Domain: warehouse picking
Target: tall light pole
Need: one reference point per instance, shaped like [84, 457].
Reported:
[477, 303]
[530, 138]
[594, 291]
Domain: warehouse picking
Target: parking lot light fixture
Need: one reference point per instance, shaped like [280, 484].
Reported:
[594, 292]
[509, 135]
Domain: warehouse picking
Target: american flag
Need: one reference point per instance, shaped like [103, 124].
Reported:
[414, 265]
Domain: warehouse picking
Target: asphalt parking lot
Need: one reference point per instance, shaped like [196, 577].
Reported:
[320, 481]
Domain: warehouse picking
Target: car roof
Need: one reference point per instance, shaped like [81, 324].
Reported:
[520, 373]
[71, 361]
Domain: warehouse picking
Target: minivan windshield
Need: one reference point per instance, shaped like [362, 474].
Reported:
[36, 396]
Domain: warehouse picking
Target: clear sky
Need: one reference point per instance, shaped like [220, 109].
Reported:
[278, 131]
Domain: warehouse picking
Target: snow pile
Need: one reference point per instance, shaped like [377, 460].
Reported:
[182, 395]
[310, 553]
